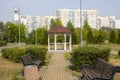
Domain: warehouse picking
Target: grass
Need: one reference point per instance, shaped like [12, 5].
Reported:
[110, 45]
[67, 56]
[48, 57]
[9, 70]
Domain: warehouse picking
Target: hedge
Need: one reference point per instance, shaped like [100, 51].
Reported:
[14, 54]
[37, 51]
[3, 43]
[88, 55]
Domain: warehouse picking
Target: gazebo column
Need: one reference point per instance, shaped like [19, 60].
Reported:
[70, 42]
[55, 36]
[64, 41]
[48, 42]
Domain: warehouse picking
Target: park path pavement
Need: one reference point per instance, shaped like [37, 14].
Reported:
[57, 68]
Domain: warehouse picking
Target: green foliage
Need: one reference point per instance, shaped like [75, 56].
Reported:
[118, 41]
[3, 43]
[105, 28]
[99, 36]
[72, 29]
[11, 31]
[37, 52]
[88, 55]
[113, 36]
[77, 34]
[55, 22]
[41, 37]
[14, 54]
[86, 25]
[60, 38]
[67, 56]
[90, 37]
[58, 22]
[84, 32]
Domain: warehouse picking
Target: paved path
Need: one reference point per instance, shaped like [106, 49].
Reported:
[57, 68]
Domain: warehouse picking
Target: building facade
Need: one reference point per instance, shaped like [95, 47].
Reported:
[65, 15]
[74, 16]
[106, 21]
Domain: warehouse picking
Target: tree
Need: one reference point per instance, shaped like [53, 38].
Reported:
[1, 26]
[1, 30]
[55, 22]
[41, 36]
[12, 32]
[58, 22]
[105, 28]
[113, 36]
[90, 36]
[86, 25]
[77, 34]
[71, 28]
[118, 41]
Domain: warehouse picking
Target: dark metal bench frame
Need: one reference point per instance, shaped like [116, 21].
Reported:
[27, 60]
[102, 70]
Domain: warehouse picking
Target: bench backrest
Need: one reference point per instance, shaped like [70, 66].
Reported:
[27, 59]
[107, 70]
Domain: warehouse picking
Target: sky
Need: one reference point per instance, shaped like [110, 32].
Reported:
[48, 7]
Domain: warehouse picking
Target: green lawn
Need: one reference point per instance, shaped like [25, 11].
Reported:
[9, 70]
[110, 45]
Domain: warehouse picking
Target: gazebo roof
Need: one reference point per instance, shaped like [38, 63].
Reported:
[59, 29]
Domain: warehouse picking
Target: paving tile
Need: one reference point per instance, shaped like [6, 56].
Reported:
[57, 68]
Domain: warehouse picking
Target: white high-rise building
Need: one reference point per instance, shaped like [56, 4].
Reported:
[106, 21]
[117, 24]
[34, 22]
[92, 16]
[74, 16]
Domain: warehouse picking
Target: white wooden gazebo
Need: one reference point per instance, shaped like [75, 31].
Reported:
[59, 39]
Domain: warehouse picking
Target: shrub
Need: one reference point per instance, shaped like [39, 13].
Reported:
[3, 43]
[14, 54]
[37, 52]
[88, 55]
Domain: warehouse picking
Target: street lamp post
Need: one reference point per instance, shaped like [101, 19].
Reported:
[81, 23]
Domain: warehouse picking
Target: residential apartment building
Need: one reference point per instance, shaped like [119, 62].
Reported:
[74, 16]
[32, 22]
[106, 21]
[65, 15]
[117, 24]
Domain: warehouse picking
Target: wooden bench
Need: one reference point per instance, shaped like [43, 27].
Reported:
[100, 71]
[27, 60]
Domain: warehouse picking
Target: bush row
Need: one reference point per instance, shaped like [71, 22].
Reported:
[88, 55]
[14, 54]
[3, 43]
